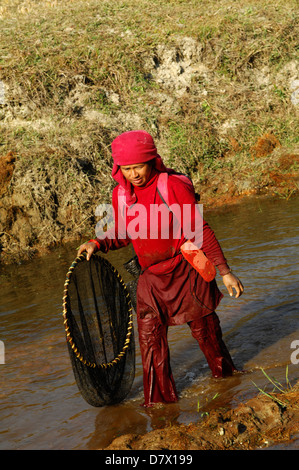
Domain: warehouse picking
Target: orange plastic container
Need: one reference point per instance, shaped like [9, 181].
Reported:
[199, 261]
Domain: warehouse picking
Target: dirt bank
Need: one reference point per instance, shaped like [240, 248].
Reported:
[261, 422]
[50, 198]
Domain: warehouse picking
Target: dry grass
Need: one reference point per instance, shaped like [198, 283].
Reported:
[64, 60]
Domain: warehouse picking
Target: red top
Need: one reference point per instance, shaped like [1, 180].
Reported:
[146, 231]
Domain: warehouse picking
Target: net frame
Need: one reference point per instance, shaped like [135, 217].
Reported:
[72, 346]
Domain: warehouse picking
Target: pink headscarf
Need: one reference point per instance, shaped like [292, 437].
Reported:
[131, 148]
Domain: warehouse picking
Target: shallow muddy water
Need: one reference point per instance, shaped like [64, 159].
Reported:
[41, 407]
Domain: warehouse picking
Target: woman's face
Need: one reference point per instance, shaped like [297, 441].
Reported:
[138, 174]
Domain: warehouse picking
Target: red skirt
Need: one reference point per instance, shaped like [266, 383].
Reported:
[176, 297]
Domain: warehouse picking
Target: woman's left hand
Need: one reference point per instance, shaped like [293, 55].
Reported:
[232, 282]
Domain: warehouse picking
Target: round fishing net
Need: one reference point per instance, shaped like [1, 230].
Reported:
[98, 322]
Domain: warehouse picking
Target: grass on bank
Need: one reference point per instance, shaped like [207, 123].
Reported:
[278, 389]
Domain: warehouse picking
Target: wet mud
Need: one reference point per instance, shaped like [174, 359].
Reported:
[261, 422]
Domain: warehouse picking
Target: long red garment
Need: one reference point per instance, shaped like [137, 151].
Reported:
[170, 291]
[168, 283]
[158, 381]
[152, 251]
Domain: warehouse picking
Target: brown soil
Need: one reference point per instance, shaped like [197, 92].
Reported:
[259, 423]
[7, 163]
[273, 171]
[265, 145]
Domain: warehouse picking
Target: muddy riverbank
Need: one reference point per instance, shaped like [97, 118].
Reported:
[217, 89]
[261, 422]
[52, 200]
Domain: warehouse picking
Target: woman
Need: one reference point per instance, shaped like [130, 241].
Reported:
[170, 291]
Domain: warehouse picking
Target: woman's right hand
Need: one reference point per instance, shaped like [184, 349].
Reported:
[89, 247]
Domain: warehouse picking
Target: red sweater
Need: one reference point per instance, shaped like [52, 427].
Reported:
[146, 231]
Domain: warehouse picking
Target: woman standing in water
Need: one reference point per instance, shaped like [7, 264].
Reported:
[170, 291]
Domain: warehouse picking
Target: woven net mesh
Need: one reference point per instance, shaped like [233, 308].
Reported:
[99, 330]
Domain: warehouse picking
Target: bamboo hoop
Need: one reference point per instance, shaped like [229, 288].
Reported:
[69, 338]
